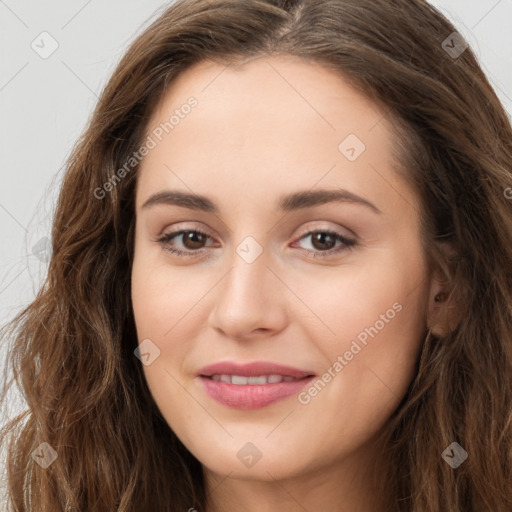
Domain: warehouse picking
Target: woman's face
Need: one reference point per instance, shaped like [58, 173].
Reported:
[310, 259]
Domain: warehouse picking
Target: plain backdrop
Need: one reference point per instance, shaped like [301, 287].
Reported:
[46, 101]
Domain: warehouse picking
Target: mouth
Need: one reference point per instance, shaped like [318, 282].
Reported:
[242, 380]
[254, 385]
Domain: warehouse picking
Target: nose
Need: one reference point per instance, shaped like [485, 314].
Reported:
[250, 300]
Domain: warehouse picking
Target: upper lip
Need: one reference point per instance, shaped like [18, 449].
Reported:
[253, 369]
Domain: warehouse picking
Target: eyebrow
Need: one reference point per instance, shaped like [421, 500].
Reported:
[287, 203]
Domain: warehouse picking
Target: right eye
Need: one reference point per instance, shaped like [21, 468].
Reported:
[191, 237]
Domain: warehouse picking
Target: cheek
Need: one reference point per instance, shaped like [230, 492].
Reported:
[375, 293]
[165, 299]
[157, 312]
[361, 386]
[166, 303]
[373, 324]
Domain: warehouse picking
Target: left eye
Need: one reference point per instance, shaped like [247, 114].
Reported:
[193, 240]
[193, 237]
[321, 238]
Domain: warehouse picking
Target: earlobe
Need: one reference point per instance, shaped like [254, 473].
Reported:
[443, 313]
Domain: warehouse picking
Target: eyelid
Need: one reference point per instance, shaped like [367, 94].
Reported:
[348, 241]
[184, 226]
[338, 230]
[305, 231]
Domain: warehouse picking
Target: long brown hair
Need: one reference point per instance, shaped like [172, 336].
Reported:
[73, 351]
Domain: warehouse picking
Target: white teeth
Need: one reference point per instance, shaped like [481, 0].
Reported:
[242, 380]
[258, 380]
[236, 379]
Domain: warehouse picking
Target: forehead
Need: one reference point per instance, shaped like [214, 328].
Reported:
[267, 124]
[292, 87]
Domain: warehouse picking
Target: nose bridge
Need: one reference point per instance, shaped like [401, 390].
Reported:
[248, 276]
[246, 299]
[249, 259]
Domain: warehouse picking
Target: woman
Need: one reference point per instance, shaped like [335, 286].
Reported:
[189, 352]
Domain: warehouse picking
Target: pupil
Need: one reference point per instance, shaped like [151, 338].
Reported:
[189, 237]
[321, 237]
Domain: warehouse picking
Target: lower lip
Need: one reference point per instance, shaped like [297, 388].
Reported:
[251, 396]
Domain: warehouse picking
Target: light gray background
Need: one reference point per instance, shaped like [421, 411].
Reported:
[46, 103]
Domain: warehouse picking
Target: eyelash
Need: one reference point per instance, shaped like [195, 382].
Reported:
[348, 242]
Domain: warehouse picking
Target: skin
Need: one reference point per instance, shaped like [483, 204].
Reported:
[270, 127]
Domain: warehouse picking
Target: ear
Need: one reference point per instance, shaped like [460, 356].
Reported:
[443, 313]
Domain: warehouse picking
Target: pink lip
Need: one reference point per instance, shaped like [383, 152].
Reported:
[252, 396]
[253, 369]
